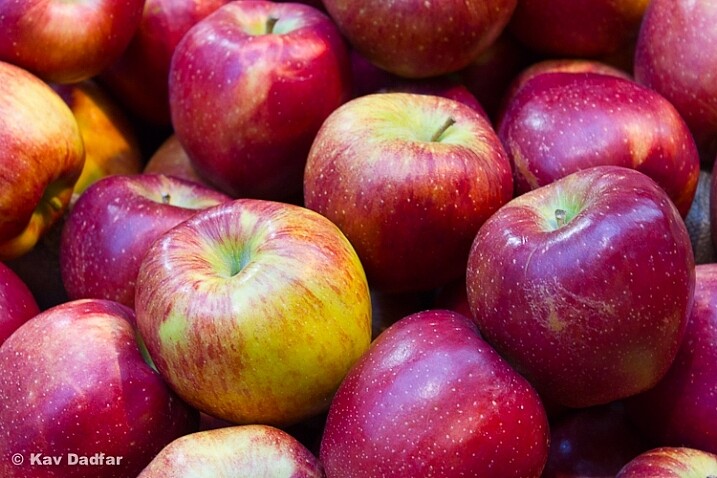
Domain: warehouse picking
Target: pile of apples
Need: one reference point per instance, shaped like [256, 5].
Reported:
[369, 238]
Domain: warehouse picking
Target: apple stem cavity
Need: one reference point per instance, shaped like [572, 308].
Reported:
[166, 198]
[447, 124]
[561, 217]
[56, 204]
[270, 23]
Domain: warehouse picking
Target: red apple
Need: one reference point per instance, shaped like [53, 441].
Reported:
[681, 410]
[254, 310]
[594, 442]
[17, 304]
[78, 398]
[559, 123]
[431, 398]
[671, 462]
[139, 78]
[172, 160]
[417, 38]
[113, 223]
[66, 41]
[409, 179]
[41, 158]
[585, 285]
[249, 87]
[675, 55]
[578, 28]
[249, 450]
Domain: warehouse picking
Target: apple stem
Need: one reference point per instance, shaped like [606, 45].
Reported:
[166, 197]
[560, 217]
[447, 124]
[56, 204]
[270, 23]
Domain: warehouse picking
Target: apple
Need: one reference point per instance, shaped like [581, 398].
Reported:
[17, 304]
[171, 159]
[66, 41]
[585, 285]
[254, 311]
[671, 462]
[421, 39]
[431, 398]
[78, 398]
[559, 123]
[490, 74]
[409, 179]
[139, 78]
[111, 144]
[681, 410]
[249, 87]
[248, 450]
[41, 158]
[113, 223]
[675, 57]
[577, 28]
[593, 442]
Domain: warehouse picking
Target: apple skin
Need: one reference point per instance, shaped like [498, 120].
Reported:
[254, 311]
[66, 42]
[248, 450]
[139, 78]
[681, 410]
[676, 56]
[577, 28]
[74, 381]
[113, 223]
[410, 205]
[431, 398]
[585, 315]
[17, 304]
[278, 88]
[41, 158]
[593, 442]
[671, 462]
[171, 159]
[417, 39]
[111, 144]
[559, 123]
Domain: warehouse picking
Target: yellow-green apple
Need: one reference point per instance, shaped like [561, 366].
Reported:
[111, 144]
[558, 123]
[593, 442]
[671, 462]
[681, 410]
[417, 38]
[577, 28]
[78, 398]
[585, 285]
[114, 222]
[41, 158]
[66, 41]
[249, 87]
[247, 450]
[409, 179]
[171, 159]
[139, 77]
[17, 304]
[431, 398]
[254, 310]
[675, 55]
